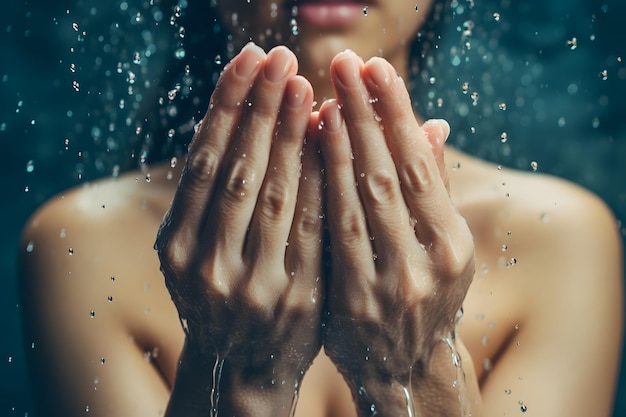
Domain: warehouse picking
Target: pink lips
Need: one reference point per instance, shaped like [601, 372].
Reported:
[330, 13]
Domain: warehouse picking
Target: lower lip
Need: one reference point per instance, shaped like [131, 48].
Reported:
[329, 14]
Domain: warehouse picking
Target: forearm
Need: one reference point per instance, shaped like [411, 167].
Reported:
[206, 386]
[444, 386]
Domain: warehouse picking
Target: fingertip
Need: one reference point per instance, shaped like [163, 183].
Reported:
[298, 91]
[249, 60]
[437, 131]
[330, 116]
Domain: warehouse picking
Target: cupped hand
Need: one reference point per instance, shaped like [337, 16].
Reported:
[240, 247]
[402, 258]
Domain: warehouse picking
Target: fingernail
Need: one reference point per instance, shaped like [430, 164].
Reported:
[380, 72]
[249, 59]
[347, 68]
[278, 64]
[295, 92]
[331, 116]
[442, 126]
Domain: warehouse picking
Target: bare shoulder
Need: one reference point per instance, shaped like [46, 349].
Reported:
[549, 282]
[541, 206]
[92, 291]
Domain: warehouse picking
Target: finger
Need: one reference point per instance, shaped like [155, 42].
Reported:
[350, 243]
[378, 184]
[437, 132]
[274, 212]
[437, 221]
[304, 251]
[209, 145]
[246, 161]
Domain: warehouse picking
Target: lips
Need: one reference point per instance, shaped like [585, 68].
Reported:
[329, 13]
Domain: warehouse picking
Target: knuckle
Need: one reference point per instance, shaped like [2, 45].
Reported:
[416, 175]
[351, 225]
[202, 166]
[274, 199]
[239, 183]
[380, 188]
[456, 257]
[308, 223]
[173, 255]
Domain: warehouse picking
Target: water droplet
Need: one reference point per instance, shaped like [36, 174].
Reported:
[502, 106]
[294, 27]
[523, 407]
[75, 26]
[365, 10]
[496, 16]
[30, 166]
[110, 298]
[416, 6]
[504, 248]
[572, 43]
[92, 314]
[534, 165]
[70, 251]
[112, 278]
[218, 59]
[507, 391]
[30, 246]
[604, 75]
[102, 360]
[504, 137]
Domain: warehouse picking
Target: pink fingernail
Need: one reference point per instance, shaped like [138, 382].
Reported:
[347, 68]
[248, 60]
[379, 72]
[331, 116]
[295, 92]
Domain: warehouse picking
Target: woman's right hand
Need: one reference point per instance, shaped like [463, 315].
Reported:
[240, 246]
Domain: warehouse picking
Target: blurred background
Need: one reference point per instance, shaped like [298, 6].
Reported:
[89, 89]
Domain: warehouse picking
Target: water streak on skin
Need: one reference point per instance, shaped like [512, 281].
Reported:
[459, 382]
[215, 392]
[294, 402]
[410, 403]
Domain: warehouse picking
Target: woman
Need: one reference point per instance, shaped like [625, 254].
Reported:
[470, 290]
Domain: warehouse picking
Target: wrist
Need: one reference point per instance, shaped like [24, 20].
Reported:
[208, 385]
[444, 385]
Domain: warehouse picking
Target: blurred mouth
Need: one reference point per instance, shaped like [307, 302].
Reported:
[329, 13]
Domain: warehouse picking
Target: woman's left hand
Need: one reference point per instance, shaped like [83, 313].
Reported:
[402, 257]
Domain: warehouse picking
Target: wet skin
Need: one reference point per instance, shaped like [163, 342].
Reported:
[511, 347]
[402, 258]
